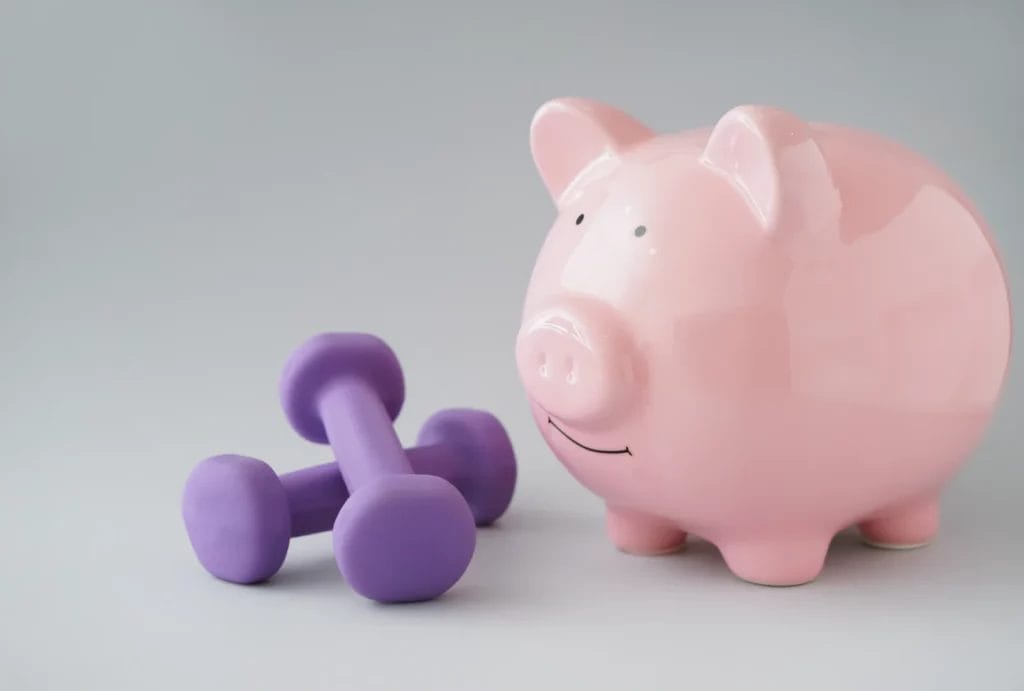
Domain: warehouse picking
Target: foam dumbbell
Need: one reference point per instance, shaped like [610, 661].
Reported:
[240, 515]
[400, 536]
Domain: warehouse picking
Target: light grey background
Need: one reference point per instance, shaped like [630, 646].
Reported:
[188, 189]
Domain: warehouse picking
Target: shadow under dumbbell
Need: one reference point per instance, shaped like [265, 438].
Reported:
[317, 574]
[494, 581]
[314, 574]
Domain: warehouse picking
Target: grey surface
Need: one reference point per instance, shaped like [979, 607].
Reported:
[188, 189]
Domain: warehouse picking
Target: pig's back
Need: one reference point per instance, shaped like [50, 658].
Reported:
[908, 305]
[898, 330]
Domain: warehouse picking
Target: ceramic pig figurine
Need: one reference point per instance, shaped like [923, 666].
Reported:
[759, 333]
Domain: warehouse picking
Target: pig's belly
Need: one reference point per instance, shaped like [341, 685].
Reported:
[813, 466]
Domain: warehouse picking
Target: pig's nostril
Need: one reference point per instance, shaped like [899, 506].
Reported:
[570, 370]
[542, 364]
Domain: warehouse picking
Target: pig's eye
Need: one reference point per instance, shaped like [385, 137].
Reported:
[639, 231]
[579, 219]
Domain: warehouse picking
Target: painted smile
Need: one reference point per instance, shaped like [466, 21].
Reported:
[561, 431]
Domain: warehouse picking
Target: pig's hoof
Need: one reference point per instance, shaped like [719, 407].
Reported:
[892, 545]
[776, 563]
[644, 551]
[642, 534]
[905, 527]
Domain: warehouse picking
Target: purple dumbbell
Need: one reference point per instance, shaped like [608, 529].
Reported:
[400, 536]
[240, 515]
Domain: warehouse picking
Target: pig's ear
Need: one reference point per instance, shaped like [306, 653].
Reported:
[772, 160]
[568, 135]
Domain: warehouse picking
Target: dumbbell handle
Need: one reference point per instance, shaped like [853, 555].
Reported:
[316, 494]
[360, 431]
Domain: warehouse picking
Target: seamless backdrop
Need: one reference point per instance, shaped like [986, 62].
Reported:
[188, 189]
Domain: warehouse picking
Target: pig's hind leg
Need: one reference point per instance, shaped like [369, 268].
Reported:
[906, 526]
[641, 533]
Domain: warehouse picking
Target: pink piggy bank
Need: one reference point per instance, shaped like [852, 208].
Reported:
[760, 333]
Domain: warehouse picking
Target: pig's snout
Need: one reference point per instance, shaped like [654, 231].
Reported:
[577, 362]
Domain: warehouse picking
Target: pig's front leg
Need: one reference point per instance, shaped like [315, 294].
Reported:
[781, 560]
[641, 533]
